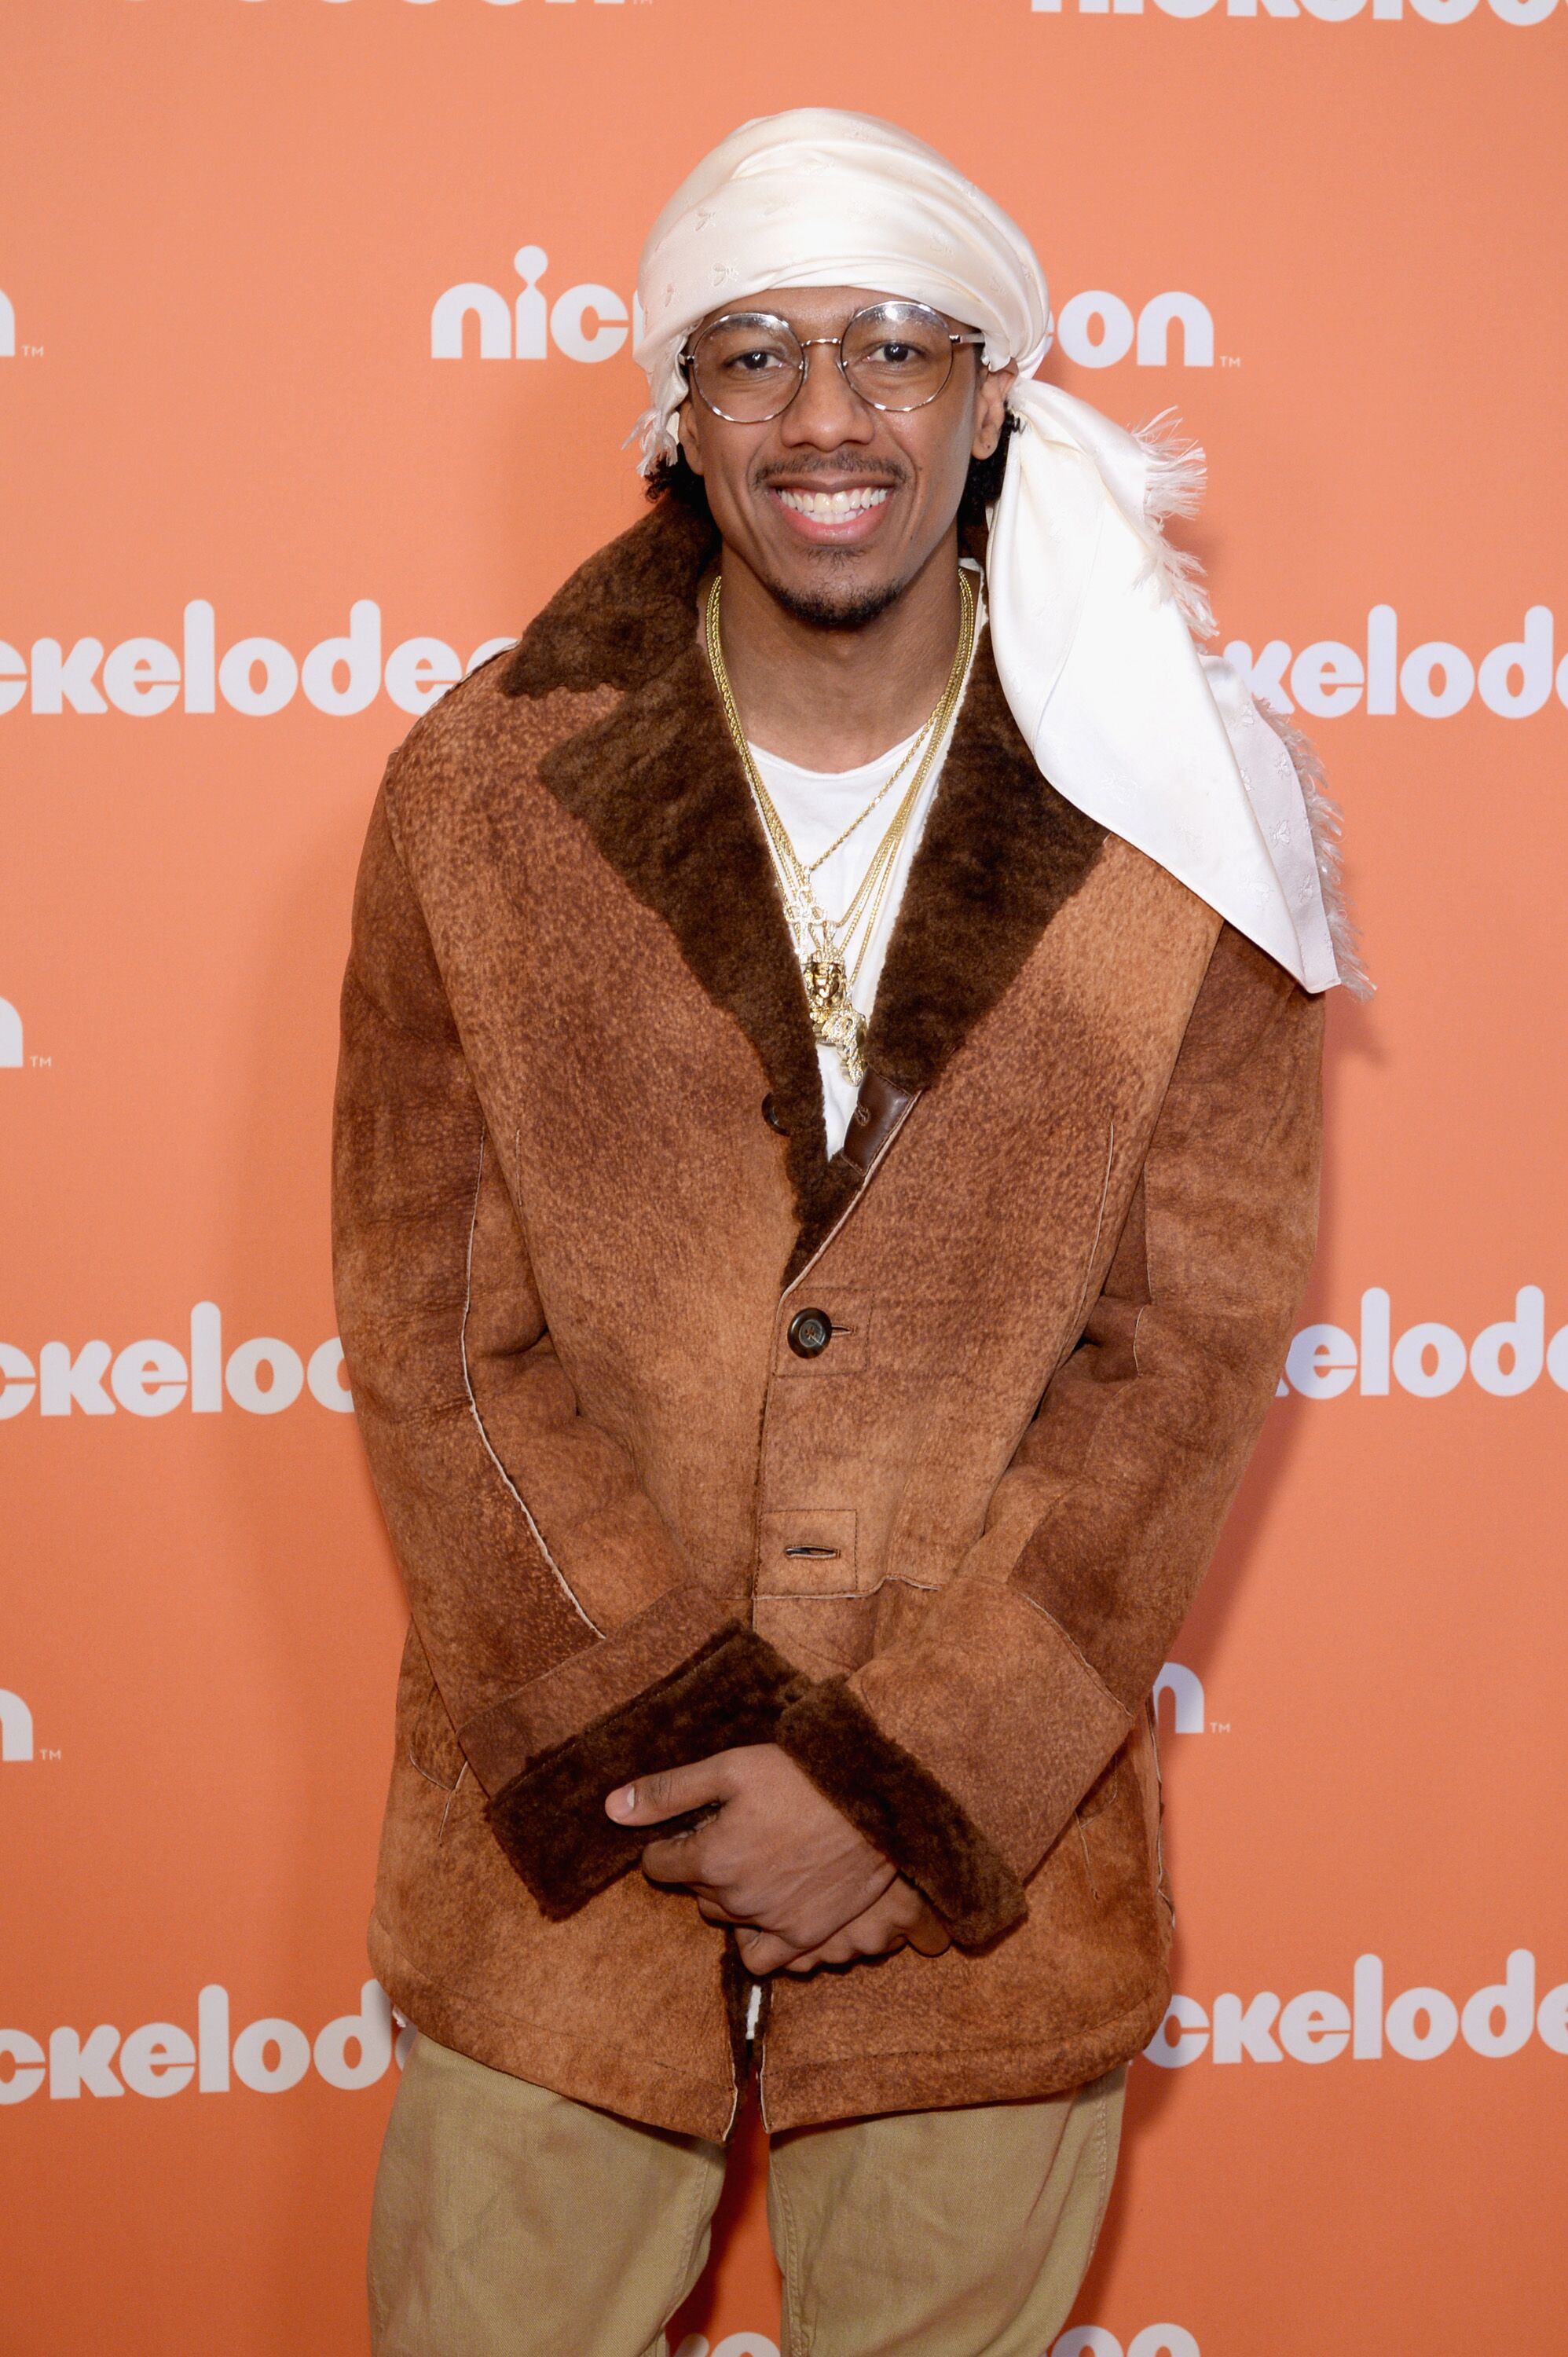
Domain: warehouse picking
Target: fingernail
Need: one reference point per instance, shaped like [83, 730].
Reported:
[621, 1803]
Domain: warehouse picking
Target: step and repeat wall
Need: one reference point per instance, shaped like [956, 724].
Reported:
[315, 380]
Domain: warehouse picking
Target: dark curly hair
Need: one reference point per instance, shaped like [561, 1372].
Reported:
[673, 478]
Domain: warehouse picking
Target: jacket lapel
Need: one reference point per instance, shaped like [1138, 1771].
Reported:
[660, 787]
[1000, 854]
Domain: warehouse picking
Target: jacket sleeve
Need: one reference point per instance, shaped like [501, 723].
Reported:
[571, 1644]
[964, 1748]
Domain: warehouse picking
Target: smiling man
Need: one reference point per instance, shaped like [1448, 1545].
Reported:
[826, 1162]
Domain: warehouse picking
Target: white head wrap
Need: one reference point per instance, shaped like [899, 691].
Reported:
[1089, 610]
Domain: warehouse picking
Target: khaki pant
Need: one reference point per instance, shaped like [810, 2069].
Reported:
[512, 2223]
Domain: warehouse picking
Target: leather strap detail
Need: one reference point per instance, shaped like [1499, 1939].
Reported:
[880, 1111]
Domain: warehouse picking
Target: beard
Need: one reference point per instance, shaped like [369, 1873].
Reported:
[828, 606]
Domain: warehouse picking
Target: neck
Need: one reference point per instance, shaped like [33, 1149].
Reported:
[830, 699]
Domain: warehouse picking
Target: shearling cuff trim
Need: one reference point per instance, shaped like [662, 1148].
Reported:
[887, 1795]
[551, 1820]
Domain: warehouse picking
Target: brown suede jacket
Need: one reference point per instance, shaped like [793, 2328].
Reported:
[689, 1435]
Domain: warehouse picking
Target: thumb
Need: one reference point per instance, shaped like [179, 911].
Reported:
[763, 1951]
[669, 1792]
[928, 1934]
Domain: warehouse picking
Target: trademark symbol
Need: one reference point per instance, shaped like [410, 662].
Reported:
[1220, 1727]
[46, 1753]
[1229, 359]
[32, 352]
[40, 1063]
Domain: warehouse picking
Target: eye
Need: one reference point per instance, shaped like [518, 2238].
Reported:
[750, 362]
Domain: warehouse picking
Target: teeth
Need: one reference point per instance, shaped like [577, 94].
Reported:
[827, 505]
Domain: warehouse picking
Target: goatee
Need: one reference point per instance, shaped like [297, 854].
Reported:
[842, 610]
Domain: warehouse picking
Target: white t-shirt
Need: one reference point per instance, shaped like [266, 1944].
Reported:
[817, 805]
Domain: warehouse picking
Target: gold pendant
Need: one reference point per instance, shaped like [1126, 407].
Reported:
[804, 920]
[834, 1020]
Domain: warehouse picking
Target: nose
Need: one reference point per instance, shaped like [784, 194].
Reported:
[826, 412]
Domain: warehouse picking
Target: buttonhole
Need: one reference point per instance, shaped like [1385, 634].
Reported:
[817, 1553]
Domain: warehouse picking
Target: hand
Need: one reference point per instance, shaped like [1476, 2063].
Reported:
[778, 1862]
[900, 1918]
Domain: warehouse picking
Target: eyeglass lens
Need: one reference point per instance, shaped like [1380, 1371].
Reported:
[749, 365]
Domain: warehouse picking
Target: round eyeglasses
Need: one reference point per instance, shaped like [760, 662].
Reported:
[749, 365]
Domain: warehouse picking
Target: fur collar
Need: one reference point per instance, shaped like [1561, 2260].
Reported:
[659, 786]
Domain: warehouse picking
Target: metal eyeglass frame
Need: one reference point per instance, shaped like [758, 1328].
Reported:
[900, 310]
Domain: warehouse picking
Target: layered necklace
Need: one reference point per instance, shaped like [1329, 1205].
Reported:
[831, 950]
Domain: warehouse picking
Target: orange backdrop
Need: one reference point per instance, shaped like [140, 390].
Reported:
[1334, 236]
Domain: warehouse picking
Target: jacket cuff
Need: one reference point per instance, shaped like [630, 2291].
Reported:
[551, 1820]
[886, 1795]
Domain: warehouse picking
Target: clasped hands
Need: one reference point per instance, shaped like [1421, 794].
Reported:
[777, 1862]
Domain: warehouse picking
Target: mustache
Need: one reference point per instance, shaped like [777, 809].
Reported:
[871, 470]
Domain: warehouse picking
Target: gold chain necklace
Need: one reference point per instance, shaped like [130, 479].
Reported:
[881, 795]
[821, 943]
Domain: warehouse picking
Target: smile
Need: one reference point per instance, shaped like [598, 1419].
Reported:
[831, 507]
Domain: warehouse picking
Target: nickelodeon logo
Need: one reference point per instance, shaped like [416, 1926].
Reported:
[162, 2059]
[1098, 329]
[591, 322]
[525, 328]
[1188, 1706]
[1155, 2340]
[1427, 1359]
[152, 1378]
[1327, 12]
[734, 2344]
[1436, 680]
[342, 675]
[265, 1374]
[1319, 2026]
[255, 676]
[1184, 1686]
[16, 1727]
[1081, 2341]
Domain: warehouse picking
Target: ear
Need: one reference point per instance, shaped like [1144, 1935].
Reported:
[689, 434]
[991, 408]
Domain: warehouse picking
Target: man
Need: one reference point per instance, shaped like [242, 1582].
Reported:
[826, 1162]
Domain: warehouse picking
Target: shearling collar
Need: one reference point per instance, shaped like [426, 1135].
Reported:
[660, 787]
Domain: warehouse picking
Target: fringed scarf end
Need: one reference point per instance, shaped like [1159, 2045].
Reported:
[1177, 477]
[1323, 819]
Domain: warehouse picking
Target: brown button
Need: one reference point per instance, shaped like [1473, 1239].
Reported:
[810, 1331]
[770, 1116]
